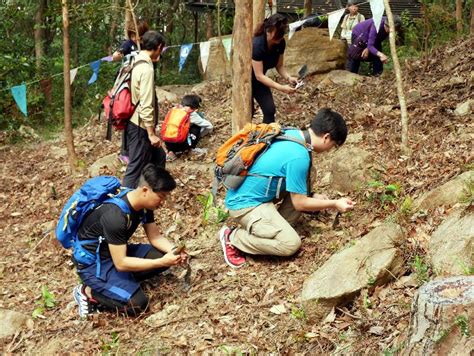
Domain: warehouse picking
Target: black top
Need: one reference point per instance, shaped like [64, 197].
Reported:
[108, 221]
[269, 56]
[128, 47]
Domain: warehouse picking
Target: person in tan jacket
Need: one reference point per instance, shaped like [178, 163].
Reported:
[143, 142]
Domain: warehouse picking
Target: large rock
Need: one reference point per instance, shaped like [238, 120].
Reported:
[218, 66]
[166, 96]
[11, 322]
[110, 162]
[312, 46]
[372, 260]
[449, 193]
[465, 108]
[349, 169]
[452, 245]
[340, 77]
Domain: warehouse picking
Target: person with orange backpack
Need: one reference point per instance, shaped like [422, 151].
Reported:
[266, 195]
[184, 126]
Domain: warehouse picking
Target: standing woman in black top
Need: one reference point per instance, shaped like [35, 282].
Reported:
[268, 48]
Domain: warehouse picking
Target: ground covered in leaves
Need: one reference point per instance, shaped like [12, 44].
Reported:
[255, 309]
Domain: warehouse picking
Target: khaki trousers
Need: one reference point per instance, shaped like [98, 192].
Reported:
[266, 229]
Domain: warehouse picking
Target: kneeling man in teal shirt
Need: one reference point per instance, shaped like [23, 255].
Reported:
[275, 192]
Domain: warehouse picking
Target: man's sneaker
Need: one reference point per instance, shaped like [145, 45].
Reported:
[233, 257]
[87, 306]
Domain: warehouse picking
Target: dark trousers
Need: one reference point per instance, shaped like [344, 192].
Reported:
[354, 64]
[193, 136]
[124, 147]
[138, 301]
[141, 152]
[263, 95]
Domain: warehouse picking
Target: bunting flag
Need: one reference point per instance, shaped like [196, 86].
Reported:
[183, 54]
[377, 8]
[95, 68]
[19, 94]
[72, 74]
[293, 26]
[204, 50]
[106, 59]
[333, 21]
[227, 43]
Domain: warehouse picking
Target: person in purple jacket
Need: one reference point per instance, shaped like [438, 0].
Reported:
[367, 45]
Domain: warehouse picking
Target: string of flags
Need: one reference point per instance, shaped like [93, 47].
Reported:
[20, 95]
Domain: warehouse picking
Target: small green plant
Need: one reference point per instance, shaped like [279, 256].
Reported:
[47, 301]
[441, 336]
[385, 194]
[219, 214]
[367, 302]
[421, 269]
[228, 350]
[463, 324]
[466, 269]
[110, 345]
[392, 351]
[468, 193]
[407, 206]
[298, 313]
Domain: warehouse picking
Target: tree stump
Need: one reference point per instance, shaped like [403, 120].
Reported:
[442, 318]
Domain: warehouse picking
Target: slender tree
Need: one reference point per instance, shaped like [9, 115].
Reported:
[113, 24]
[39, 33]
[398, 75]
[71, 152]
[472, 19]
[134, 20]
[258, 12]
[459, 22]
[308, 7]
[241, 68]
[209, 25]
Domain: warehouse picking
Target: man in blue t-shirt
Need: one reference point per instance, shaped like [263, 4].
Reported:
[276, 191]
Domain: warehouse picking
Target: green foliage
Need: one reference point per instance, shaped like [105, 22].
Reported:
[110, 345]
[47, 301]
[421, 269]
[462, 322]
[231, 351]
[211, 213]
[385, 195]
[407, 206]
[298, 313]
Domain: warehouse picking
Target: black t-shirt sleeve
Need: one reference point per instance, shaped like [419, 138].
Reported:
[258, 49]
[149, 217]
[114, 224]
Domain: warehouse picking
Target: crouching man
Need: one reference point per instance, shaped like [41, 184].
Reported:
[113, 282]
[280, 172]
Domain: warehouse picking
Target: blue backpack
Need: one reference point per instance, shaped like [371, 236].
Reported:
[94, 192]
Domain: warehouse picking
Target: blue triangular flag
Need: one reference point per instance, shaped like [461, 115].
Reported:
[19, 94]
[95, 67]
[183, 54]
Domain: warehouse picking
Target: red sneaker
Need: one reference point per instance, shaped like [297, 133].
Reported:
[233, 257]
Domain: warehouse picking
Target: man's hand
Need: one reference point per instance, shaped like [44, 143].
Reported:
[383, 58]
[287, 89]
[344, 204]
[155, 140]
[293, 80]
[170, 259]
[365, 53]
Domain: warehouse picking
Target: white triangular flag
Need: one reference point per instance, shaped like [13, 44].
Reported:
[227, 42]
[293, 26]
[333, 21]
[377, 8]
[73, 73]
[204, 48]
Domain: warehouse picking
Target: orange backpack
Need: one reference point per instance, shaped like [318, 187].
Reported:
[175, 127]
[235, 157]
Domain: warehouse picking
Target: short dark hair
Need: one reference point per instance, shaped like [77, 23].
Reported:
[151, 40]
[191, 100]
[276, 21]
[157, 178]
[331, 122]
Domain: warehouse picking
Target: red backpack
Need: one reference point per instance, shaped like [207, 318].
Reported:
[175, 127]
[118, 106]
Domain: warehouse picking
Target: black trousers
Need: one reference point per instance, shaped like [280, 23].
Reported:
[194, 135]
[263, 95]
[141, 152]
[139, 301]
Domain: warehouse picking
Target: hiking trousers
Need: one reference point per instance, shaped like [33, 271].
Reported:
[266, 230]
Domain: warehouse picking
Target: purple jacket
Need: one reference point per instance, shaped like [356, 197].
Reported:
[367, 33]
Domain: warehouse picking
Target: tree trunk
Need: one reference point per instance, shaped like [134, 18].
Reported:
[196, 26]
[128, 20]
[472, 19]
[39, 33]
[443, 318]
[308, 7]
[170, 24]
[113, 25]
[241, 68]
[134, 21]
[71, 153]
[218, 5]
[398, 75]
[459, 21]
[209, 25]
[258, 12]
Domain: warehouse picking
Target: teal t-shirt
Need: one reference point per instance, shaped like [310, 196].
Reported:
[283, 159]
